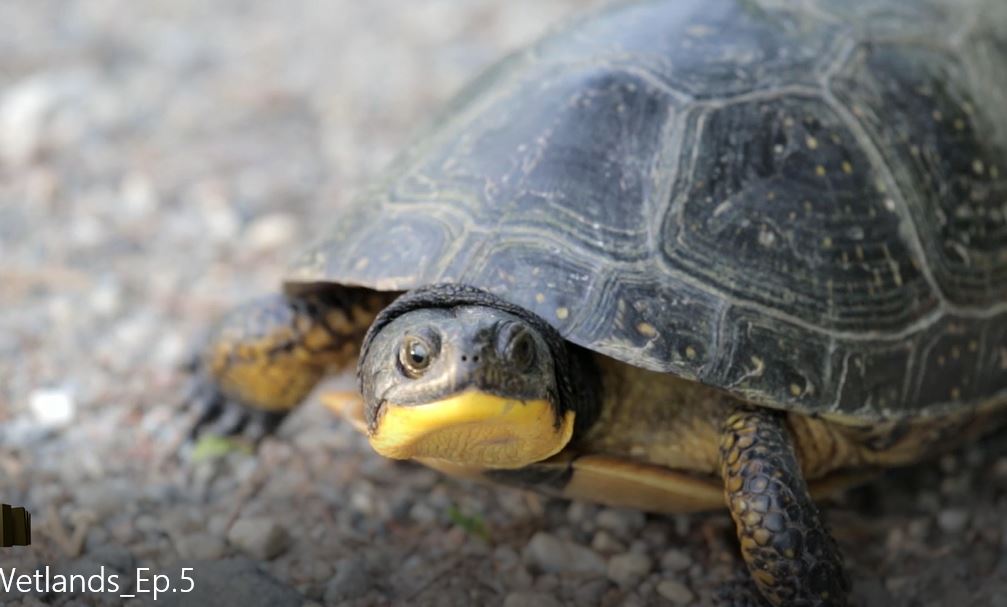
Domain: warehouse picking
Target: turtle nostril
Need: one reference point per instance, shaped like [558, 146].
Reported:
[464, 358]
[475, 359]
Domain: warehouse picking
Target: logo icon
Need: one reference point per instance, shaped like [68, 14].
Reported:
[15, 526]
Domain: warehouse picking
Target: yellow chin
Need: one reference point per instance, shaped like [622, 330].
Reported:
[473, 428]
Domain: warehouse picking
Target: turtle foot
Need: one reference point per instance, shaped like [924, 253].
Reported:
[215, 413]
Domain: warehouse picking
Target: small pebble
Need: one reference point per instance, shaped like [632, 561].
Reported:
[52, 407]
[589, 592]
[530, 599]
[553, 555]
[629, 569]
[674, 560]
[547, 582]
[580, 512]
[24, 109]
[953, 520]
[632, 600]
[1000, 468]
[422, 513]
[639, 546]
[676, 592]
[919, 528]
[620, 521]
[506, 557]
[604, 542]
[896, 584]
[260, 537]
[350, 581]
[271, 231]
[103, 500]
[201, 547]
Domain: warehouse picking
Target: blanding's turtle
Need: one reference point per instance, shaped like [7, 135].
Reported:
[677, 255]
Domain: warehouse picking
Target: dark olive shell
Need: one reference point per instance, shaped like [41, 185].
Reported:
[804, 203]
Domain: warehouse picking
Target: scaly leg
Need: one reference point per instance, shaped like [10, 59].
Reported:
[790, 554]
[263, 358]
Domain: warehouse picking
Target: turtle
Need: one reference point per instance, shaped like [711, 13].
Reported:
[677, 255]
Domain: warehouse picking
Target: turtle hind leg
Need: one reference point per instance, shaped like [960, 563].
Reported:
[790, 554]
[262, 359]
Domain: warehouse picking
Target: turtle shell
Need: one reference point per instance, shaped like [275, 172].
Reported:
[805, 206]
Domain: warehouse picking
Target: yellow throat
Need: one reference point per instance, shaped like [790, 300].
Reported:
[473, 428]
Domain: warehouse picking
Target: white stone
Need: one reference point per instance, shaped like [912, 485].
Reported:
[272, 231]
[52, 407]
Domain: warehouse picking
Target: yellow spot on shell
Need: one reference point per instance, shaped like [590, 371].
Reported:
[540, 297]
[959, 124]
[973, 345]
[562, 313]
[795, 390]
[955, 393]
[820, 171]
[978, 167]
[646, 329]
[690, 352]
[847, 167]
[811, 142]
[827, 242]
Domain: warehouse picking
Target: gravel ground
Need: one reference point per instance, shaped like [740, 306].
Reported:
[159, 162]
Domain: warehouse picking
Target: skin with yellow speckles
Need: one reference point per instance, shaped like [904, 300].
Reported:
[673, 249]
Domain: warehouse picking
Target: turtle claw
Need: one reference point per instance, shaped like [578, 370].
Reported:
[215, 413]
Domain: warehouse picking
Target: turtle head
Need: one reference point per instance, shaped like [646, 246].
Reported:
[471, 384]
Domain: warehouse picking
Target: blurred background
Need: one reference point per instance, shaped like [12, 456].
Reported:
[159, 163]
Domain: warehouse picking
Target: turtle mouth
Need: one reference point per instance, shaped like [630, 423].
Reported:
[473, 427]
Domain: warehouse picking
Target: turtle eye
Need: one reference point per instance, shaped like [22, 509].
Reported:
[518, 346]
[415, 355]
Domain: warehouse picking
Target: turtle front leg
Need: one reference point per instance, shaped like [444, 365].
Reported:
[790, 554]
[262, 359]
